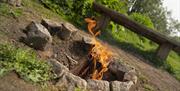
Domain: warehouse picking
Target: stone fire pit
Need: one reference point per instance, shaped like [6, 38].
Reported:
[69, 49]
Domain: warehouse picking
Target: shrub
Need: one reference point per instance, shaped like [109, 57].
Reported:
[77, 10]
[142, 19]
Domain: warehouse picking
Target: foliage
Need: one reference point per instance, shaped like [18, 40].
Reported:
[173, 64]
[142, 19]
[117, 5]
[73, 10]
[77, 10]
[153, 9]
[24, 62]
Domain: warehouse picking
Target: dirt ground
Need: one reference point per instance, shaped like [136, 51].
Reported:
[149, 77]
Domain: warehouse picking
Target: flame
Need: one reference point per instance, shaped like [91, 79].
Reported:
[98, 52]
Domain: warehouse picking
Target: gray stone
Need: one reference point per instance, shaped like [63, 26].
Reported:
[38, 36]
[52, 26]
[131, 76]
[88, 40]
[68, 30]
[97, 85]
[118, 69]
[120, 86]
[58, 68]
[69, 82]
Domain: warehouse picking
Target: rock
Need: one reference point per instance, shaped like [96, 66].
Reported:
[118, 69]
[58, 68]
[68, 30]
[120, 86]
[97, 85]
[87, 43]
[69, 82]
[52, 26]
[88, 40]
[130, 76]
[38, 36]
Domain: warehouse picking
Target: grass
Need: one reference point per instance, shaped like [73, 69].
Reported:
[173, 64]
[148, 87]
[24, 62]
[40, 10]
[7, 10]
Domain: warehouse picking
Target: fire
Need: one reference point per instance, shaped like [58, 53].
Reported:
[98, 53]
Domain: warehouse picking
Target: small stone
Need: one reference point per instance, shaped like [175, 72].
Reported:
[88, 40]
[118, 69]
[69, 82]
[121, 86]
[68, 30]
[131, 76]
[52, 26]
[97, 85]
[38, 36]
[58, 68]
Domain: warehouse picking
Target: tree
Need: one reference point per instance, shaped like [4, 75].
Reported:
[152, 8]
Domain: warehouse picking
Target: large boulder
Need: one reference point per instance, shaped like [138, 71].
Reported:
[97, 85]
[38, 36]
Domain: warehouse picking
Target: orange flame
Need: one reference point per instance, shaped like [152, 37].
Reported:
[98, 53]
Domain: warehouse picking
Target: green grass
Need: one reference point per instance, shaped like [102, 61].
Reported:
[7, 10]
[173, 64]
[24, 62]
[148, 87]
[38, 9]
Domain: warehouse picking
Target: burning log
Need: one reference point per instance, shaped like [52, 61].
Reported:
[99, 55]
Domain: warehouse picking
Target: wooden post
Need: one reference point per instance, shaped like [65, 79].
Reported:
[102, 22]
[163, 50]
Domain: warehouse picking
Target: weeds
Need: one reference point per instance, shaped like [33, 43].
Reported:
[24, 62]
[7, 10]
[148, 87]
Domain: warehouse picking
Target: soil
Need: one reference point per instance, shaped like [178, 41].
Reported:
[12, 82]
[11, 30]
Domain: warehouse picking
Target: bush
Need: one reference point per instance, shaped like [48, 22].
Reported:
[77, 10]
[24, 62]
[142, 19]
